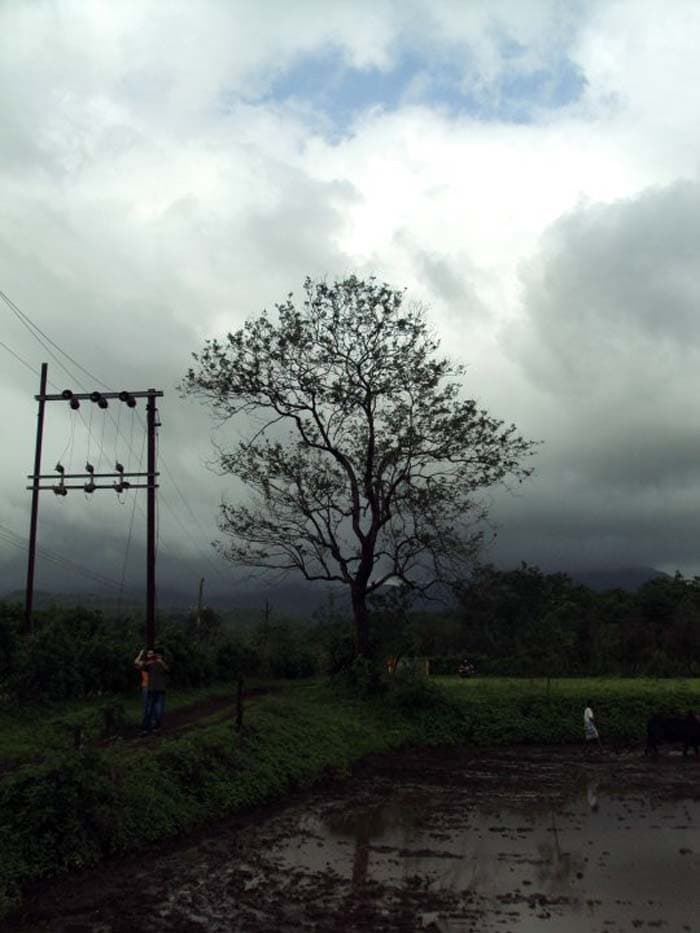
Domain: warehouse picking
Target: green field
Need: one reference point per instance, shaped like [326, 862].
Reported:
[501, 704]
[665, 689]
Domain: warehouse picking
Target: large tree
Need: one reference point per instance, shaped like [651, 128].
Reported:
[362, 457]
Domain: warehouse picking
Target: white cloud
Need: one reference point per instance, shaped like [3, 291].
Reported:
[154, 195]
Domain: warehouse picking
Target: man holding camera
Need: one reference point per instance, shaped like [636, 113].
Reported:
[154, 666]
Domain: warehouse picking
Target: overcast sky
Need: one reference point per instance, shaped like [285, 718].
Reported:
[528, 169]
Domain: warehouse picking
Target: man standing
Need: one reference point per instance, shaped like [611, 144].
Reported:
[139, 664]
[157, 670]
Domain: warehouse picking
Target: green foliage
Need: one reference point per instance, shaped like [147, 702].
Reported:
[72, 653]
[332, 635]
[363, 678]
[235, 657]
[51, 817]
[548, 643]
[335, 647]
[524, 622]
[192, 663]
[441, 665]
[504, 711]
[75, 653]
[102, 720]
[11, 618]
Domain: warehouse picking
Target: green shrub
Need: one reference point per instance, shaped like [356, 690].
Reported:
[235, 657]
[445, 665]
[362, 678]
[11, 617]
[51, 817]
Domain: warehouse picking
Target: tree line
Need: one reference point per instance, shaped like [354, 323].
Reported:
[78, 652]
[524, 622]
[521, 622]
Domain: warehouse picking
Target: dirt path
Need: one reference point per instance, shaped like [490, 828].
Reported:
[525, 840]
[213, 709]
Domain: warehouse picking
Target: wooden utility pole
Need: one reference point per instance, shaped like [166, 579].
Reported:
[31, 561]
[200, 597]
[122, 482]
[151, 521]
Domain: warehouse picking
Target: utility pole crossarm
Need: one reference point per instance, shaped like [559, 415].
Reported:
[67, 395]
[123, 482]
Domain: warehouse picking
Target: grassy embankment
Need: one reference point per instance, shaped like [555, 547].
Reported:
[74, 808]
[28, 731]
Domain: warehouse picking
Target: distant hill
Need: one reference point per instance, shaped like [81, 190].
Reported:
[624, 578]
[104, 601]
[293, 599]
[296, 598]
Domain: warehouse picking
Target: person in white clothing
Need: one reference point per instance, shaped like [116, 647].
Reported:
[589, 727]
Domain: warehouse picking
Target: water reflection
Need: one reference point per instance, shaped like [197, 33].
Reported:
[592, 795]
[557, 866]
[580, 851]
[407, 836]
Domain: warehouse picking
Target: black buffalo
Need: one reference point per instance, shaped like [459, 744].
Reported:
[685, 729]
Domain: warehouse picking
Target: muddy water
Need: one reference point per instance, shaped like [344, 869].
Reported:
[521, 840]
[593, 857]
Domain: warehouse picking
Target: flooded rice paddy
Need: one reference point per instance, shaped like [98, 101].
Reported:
[519, 840]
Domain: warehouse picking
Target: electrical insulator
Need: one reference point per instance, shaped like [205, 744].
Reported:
[59, 468]
[89, 468]
[95, 396]
[75, 404]
[118, 467]
[66, 394]
[59, 490]
[128, 398]
[103, 403]
[118, 487]
[90, 486]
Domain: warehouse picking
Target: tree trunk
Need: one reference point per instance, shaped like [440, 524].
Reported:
[239, 703]
[360, 620]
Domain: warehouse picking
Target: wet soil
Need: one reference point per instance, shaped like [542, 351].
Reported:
[520, 839]
[213, 709]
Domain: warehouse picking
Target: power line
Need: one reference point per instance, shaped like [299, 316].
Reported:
[191, 511]
[35, 331]
[28, 365]
[20, 543]
[18, 357]
[134, 501]
[29, 326]
[29, 323]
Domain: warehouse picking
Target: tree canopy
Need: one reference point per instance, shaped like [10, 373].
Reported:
[362, 457]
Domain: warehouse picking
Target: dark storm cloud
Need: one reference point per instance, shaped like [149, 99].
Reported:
[154, 194]
[610, 338]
